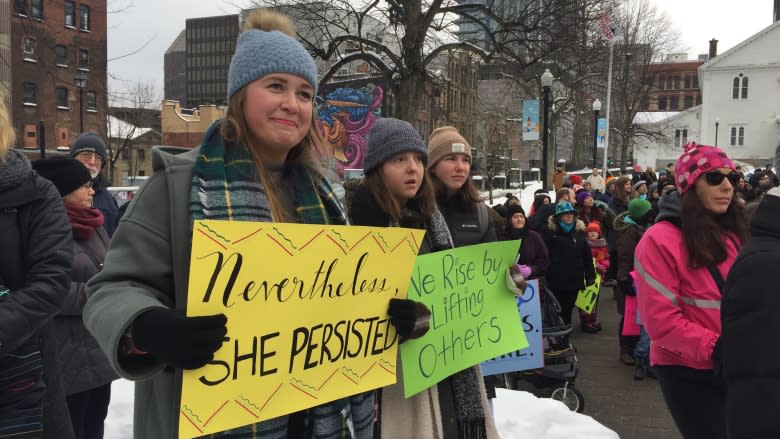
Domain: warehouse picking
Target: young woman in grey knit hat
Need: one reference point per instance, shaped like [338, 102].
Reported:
[255, 165]
[397, 192]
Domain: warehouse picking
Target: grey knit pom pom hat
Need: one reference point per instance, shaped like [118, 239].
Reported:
[389, 137]
[260, 52]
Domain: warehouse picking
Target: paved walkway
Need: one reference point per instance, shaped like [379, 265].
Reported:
[634, 409]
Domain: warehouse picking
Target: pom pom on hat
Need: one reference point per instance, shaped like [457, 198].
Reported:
[389, 137]
[638, 208]
[67, 174]
[444, 141]
[696, 160]
[268, 45]
[575, 179]
[593, 226]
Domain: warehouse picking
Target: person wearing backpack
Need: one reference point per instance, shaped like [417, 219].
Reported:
[680, 263]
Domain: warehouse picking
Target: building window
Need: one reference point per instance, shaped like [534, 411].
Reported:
[662, 103]
[61, 97]
[674, 103]
[36, 9]
[30, 136]
[20, 7]
[661, 83]
[676, 82]
[141, 154]
[741, 136]
[669, 83]
[70, 13]
[84, 17]
[61, 55]
[698, 100]
[733, 136]
[91, 101]
[688, 102]
[677, 138]
[739, 87]
[28, 49]
[83, 59]
[695, 81]
[125, 155]
[29, 94]
[687, 82]
[684, 137]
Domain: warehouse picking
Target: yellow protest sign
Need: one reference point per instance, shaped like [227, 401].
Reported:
[307, 317]
[589, 296]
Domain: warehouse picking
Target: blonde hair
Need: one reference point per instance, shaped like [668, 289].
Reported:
[234, 129]
[7, 134]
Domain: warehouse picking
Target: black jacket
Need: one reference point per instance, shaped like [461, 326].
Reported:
[464, 224]
[35, 262]
[571, 262]
[105, 202]
[750, 330]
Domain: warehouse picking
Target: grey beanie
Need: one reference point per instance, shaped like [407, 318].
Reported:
[89, 142]
[389, 137]
[259, 53]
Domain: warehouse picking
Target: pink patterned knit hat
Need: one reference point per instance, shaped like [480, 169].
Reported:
[697, 160]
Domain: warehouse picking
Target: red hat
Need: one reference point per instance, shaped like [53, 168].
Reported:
[575, 179]
[593, 226]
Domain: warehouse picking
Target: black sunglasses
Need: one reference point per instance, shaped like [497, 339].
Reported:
[716, 178]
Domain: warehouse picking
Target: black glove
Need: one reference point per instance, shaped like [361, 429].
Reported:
[410, 318]
[627, 286]
[176, 340]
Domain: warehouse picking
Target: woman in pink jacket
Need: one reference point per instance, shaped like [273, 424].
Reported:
[680, 263]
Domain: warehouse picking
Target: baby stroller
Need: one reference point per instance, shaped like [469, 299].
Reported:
[556, 379]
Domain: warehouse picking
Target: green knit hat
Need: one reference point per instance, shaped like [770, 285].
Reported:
[638, 208]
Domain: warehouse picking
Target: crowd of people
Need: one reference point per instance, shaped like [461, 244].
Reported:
[84, 300]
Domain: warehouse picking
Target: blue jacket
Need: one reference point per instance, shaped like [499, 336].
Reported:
[105, 202]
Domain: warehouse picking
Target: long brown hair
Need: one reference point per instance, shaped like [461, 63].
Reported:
[235, 130]
[620, 191]
[7, 134]
[705, 233]
[423, 202]
[466, 197]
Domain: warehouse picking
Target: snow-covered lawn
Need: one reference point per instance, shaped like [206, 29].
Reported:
[517, 414]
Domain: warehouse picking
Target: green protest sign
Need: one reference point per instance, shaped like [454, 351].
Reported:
[474, 317]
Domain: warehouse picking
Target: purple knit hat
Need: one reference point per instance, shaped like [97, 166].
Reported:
[581, 196]
[697, 160]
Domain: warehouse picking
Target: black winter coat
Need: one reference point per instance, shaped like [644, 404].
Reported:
[533, 251]
[35, 262]
[464, 223]
[105, 202]
[571, 262]
[84, 364]
[751, 328]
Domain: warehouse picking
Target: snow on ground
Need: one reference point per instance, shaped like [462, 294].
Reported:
[517, 415]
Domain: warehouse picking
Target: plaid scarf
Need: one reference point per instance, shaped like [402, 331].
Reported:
[225, 186]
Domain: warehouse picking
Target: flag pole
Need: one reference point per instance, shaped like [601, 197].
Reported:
[609, 107]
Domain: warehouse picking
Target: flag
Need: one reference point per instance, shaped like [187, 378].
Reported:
[609, 27]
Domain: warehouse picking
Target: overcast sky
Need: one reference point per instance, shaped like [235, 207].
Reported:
[140, 31]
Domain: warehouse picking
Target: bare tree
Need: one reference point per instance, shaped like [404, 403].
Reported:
[401, 38]
[647, 35]
[139, 102]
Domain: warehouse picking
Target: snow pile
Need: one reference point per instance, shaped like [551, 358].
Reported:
[521, 415]
[517, 414]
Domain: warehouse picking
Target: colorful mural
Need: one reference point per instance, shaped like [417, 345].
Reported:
[345, 117]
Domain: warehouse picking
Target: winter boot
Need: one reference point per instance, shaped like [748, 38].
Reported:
[626, 356]
[640, 370]
[588, 322]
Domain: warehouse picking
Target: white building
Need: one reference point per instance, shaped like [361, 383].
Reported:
[741, 94]
[740, 109]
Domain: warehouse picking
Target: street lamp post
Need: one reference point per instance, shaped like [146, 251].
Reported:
[717, 124]
[547, 80]
[596, 109]
[81, 83]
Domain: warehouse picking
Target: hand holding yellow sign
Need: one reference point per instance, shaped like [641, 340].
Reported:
[307, 317]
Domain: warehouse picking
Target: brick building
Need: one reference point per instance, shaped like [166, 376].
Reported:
[186, 128]
[676, 86]
[57, 57]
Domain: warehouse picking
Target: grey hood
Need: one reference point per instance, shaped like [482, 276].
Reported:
[669, 207]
